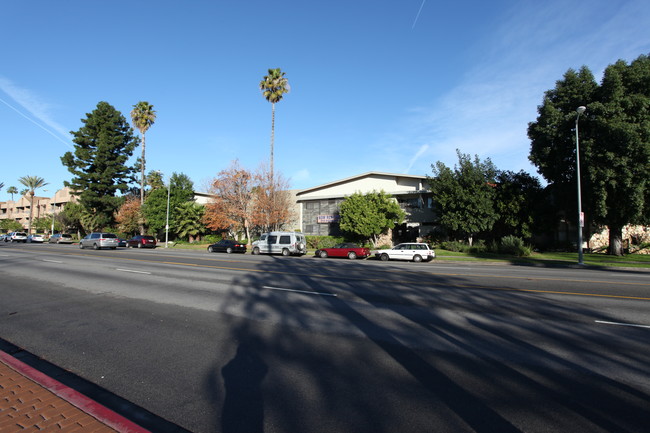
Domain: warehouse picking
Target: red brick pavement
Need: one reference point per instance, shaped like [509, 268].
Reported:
[33, 402]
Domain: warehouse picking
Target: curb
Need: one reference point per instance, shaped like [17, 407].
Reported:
[80, 401]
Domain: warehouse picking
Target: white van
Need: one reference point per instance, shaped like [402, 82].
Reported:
[285, 243]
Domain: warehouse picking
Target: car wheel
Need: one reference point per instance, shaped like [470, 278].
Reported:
[352, 255]
[81, 246]
[417, 258]
[229, 250]
[95, 247]
[323, 254]
[210, 249]
[384, 257]
[256, 251]
[139, 245]
[285, 252]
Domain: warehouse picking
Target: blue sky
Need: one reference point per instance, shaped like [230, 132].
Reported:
[381, 85]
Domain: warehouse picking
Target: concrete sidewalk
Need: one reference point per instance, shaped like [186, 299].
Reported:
[31, 401]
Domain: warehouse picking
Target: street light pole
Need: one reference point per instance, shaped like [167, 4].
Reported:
[169, 185]
[580, 110]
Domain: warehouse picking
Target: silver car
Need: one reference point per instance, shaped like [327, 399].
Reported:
[98, 241]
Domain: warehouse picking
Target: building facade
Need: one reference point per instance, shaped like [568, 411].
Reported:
[319, 206]
[43, 207]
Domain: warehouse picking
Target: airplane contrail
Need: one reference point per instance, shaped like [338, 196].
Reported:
[418, 15]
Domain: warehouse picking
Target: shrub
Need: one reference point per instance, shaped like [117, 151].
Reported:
[212, 239]
[316, 242]
[455, 246]
[515, 246]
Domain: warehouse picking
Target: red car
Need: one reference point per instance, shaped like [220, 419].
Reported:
[351, 251]
[141, 241]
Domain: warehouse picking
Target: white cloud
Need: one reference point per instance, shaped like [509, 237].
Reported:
[488, 112]
[39, 110]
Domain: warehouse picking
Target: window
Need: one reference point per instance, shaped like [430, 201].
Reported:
[285, 240]
[272, 239]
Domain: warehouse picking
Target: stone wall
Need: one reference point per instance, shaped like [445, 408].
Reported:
[633, 236]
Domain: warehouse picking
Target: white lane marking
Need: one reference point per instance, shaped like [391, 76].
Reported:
[52, 261]
[135, 272]
[306, 292]
[622, 324]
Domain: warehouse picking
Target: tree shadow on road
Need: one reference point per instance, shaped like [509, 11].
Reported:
[243, 407]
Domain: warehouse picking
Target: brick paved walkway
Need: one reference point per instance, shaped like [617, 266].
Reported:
[31, 402]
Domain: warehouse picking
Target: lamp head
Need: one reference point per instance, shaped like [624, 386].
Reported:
[581, 109]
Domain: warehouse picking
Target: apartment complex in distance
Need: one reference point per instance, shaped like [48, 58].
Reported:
[43, 207]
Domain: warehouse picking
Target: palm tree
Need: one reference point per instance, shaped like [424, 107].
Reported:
[32, 183]
[143, 116]
[273, 87]
[12, 190]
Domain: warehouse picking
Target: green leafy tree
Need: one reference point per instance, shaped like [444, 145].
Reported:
[370, 215]
[273, 87]
[143, 117]
[188, 218]
[42, 224]
[614, 145]
[155, 180]
[32, 183]
[155, 206]
[98, 165]
[12, 190]
[8, 225]
[516, 201]
[465, 195]
[71, 217]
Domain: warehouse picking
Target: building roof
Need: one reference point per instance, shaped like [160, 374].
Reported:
[359, 176]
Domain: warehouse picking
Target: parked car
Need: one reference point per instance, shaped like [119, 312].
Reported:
[99, 240]
[285, 243]
[121, 242]
[141, 241]
[227, 246]
[60, 238]
[5, 237]
[17, 237]
[416, 252]
[346, 249]
[36, 238]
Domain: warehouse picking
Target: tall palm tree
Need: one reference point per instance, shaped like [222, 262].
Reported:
[273, 87]
[143, 116]
[32, 183]
[12, 190]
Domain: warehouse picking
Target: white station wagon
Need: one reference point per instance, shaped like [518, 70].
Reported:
[415, 252]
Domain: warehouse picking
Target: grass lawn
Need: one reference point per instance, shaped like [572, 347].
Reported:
[554, 258]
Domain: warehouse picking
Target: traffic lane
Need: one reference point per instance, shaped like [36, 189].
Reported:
[299, 301]
[315, 379]
[489, 275]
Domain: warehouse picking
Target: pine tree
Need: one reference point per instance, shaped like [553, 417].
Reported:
[103, 145]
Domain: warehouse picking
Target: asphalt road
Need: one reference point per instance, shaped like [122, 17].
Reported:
[242, 343]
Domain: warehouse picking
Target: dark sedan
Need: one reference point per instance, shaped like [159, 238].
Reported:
[227, 246]
[346, 249]
[141, 241]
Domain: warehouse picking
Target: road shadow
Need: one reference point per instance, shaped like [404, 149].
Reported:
[243, 407]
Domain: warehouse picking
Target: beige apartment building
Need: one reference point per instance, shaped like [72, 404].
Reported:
[43, 206]
[319, 206]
